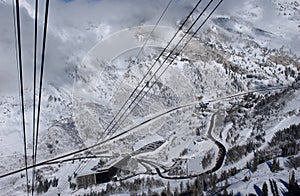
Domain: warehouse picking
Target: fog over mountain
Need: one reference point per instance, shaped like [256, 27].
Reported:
[222, 119]
[76, 26]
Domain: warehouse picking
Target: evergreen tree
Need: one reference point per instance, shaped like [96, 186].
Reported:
[197, 183]
[275, 165]
[254, 164]
[181, 187]
[40, 187]
[163, 193]
[176, 192]
[225, 192]
[72, 186]
[46, 186]
[248, 165]
[55, 182]
[194, 190]
[169, 193]
[292, 182]
[204, 185]
[214, 181]
[265, 189]
[188, 188]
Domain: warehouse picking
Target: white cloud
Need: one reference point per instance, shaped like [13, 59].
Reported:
[76, 26]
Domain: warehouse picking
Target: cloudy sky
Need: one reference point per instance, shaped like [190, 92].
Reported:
[76, 26]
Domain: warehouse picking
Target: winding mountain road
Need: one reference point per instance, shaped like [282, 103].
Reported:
[60, 157]
[219, 160]
[222, 149]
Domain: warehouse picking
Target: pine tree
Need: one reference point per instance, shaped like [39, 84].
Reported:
[194, 190]
[72, 186]
[292, 182]
[40, 187]
[275, 165]
[188, 188]
[163, 193]
[225, 192]
[204, 185]
[176, 193]
[46, 186]
[55, 182]
[254, 164]
[248, 165]
[169, 193]
[214, 181]
[265, 189]
[181, 187]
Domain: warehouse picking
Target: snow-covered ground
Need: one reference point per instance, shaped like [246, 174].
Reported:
[236, 52]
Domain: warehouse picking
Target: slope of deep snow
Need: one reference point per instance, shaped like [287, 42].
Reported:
[233, 56]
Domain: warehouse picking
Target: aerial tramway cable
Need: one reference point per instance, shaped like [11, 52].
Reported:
[139, 53]
[160, 66]
[55, 160]
[36, 133]
[144, 77]
[149, 70]
[34, 91]
[102, 142]
[41, 78]
[175, 56]
[181, 49]
[174, 36]
[17, 27]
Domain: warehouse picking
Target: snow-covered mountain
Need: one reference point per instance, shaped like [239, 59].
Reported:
[233, 91]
